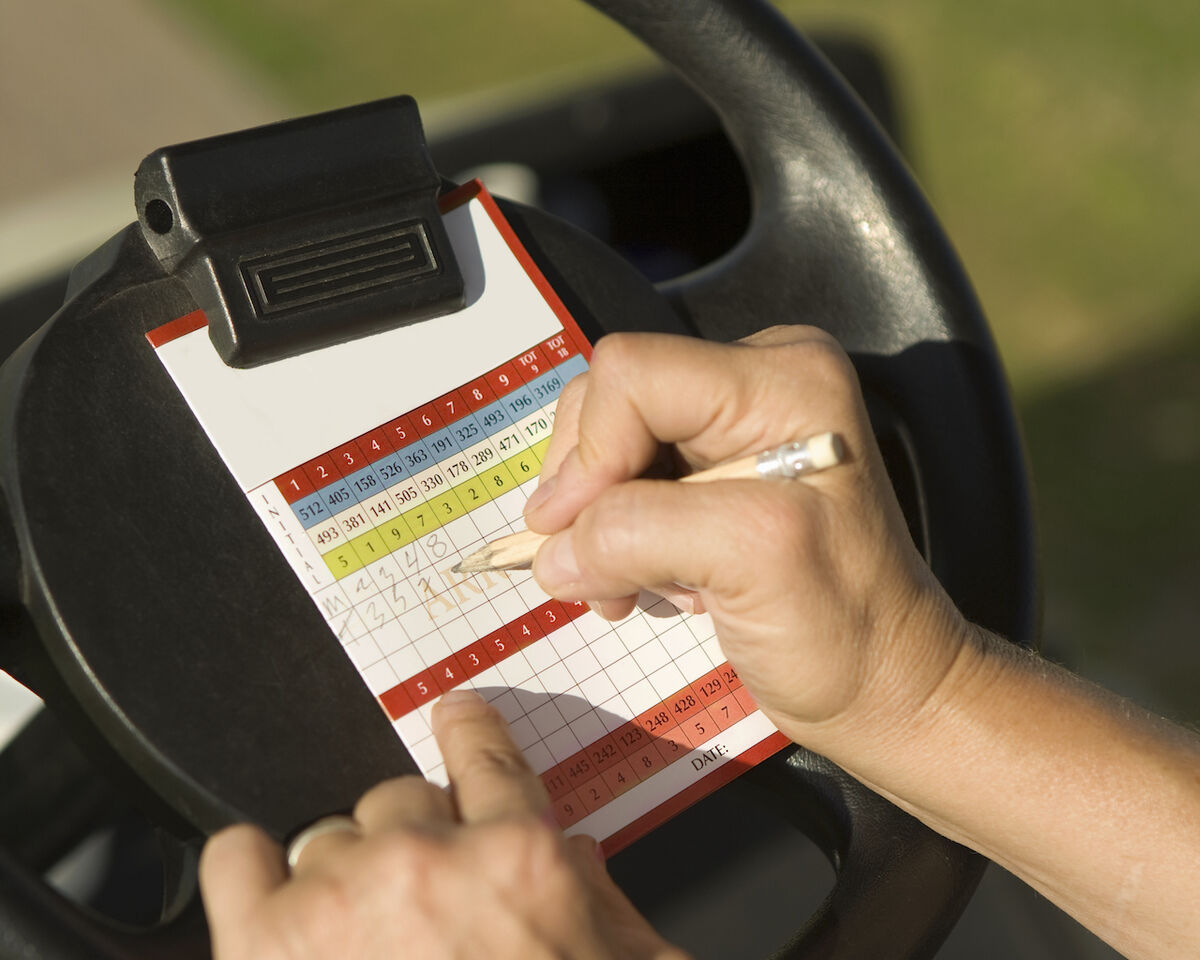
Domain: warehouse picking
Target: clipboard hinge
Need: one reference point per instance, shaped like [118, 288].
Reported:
[306, 233]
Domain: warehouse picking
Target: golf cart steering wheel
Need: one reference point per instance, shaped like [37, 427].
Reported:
[154, 630]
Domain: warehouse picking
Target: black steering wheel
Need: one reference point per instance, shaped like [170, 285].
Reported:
[155, 632]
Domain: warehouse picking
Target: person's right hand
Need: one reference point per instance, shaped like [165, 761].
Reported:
[819, 597]
[840, 631]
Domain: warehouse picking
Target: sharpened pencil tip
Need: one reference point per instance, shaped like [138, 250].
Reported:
[477, 562]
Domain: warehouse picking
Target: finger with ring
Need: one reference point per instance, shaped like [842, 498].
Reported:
[323, 836]
[403, 802]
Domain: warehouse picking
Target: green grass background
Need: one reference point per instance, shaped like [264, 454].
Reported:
[1059, 143]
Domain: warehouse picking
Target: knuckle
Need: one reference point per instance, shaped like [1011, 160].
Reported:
[331, 909]
[573, 392]
[818, 336]
[226, 849]
[538, 857]
[796, 512]
[229, 841]
[405, 854]
[828, 363]
[387, 794]
[606, 530]
[780, 528]
[402, 861]
[780, 334]
[551, 868]
[581, 848]
[326, 902]
[612, 353]
[495, 760]
[591, 453]
[817, 373]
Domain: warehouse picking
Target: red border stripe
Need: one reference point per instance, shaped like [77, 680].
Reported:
[176, 328]
[730, 770]
[469, 191]
[535, 274]
[460, 195]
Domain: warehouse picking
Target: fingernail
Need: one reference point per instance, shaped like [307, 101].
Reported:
[459, 700]
[547, 817]
[598, 852]
[539, 496]
[608, 610]
[556, 564]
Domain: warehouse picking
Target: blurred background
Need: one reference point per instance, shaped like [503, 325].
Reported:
[1057, 141]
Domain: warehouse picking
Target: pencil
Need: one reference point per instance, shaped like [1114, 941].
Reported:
[819, 452]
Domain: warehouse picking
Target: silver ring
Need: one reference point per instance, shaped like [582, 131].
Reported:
[318, 828]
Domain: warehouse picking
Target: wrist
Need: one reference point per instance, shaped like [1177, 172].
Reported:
[923, 735]
[920, 660]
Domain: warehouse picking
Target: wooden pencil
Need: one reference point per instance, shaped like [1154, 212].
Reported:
[819, 452]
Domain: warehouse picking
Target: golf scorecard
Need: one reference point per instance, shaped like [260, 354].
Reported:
[377, 464]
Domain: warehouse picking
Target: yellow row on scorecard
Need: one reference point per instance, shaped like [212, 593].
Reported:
[416, 522]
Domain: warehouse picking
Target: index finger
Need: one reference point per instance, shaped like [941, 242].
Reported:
[490, 775]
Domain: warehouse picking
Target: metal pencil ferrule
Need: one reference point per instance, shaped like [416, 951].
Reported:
[785, 461]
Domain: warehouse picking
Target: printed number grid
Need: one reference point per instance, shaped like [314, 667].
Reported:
[596, 707]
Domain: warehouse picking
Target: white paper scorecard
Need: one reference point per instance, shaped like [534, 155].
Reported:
[378, 464]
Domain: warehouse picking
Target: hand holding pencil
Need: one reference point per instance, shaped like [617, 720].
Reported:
[805, 579]
[839, 629]
[785, 462]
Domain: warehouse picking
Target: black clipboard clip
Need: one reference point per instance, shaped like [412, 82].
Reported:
[306, 233]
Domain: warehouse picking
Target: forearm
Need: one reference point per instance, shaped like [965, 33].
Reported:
[1086, 797]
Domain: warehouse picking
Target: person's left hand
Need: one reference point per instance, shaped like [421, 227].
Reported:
[478, 872]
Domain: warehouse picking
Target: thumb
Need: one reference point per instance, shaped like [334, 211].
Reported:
[719, 538]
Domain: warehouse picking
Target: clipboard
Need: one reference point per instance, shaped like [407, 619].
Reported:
[377, 464]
